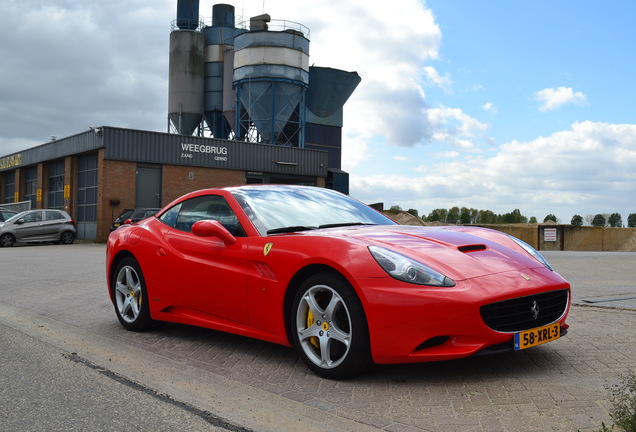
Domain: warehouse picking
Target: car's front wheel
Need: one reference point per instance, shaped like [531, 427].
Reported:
[6, 239]
[329, 327]
[131, 296]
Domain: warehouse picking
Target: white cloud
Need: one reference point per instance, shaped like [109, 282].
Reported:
[69, 64]
[447, 155]
[389, 54]
[554, 98]
[454, 127]
[585, 170]
[95, 64]
[490, 107]
[434, 77]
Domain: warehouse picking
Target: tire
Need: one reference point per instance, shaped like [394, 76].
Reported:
[67, 237]
[329, 328]
[7, 240]
[131, 296]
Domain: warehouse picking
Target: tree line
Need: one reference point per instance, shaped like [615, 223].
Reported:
[471, 216]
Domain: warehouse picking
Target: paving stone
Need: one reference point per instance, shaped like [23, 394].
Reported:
[560, 386]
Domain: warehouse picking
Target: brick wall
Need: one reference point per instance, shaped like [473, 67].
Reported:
[179, 180]
[117, 188]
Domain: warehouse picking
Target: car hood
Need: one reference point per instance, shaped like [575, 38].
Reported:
[458, 252]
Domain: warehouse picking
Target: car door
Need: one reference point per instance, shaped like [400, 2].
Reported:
[52, 224]
[29, 226]
[203, 273]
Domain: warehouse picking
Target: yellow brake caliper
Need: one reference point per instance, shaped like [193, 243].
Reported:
[310, 321]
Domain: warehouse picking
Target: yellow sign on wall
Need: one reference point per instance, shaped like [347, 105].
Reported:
[67, 191]
[38, 195]
[16, 196]
[11, 161]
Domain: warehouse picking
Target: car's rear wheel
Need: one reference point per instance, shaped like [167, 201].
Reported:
[7, 239]
[131, 296]
[329, 327]
[67, 237]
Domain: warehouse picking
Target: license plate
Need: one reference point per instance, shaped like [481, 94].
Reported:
[537, 336]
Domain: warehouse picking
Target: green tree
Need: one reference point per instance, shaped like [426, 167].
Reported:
[615, 220]
[533, 220]
[474, 215]
[453, 216]
[464, 216]
[395, 209]
[514, 217]
[487, 217]
[550, 217]
[437, 215]
[598, 221]
[631, 220]
[414, 212]
[577, 220]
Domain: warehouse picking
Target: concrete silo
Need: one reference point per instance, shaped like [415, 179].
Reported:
[186, 83]
[271, 75]
[219, 97]
[252, 82]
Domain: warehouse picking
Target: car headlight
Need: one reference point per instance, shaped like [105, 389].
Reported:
[407, 270]
[532, 251]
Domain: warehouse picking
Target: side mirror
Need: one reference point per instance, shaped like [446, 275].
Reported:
[19, 222]
[212, 228]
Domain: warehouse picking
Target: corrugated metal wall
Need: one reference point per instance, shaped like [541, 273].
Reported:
[76, 144]
[162, 148]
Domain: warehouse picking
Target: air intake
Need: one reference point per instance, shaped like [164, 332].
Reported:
[472, 248]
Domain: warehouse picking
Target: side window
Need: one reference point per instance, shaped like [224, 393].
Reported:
[170, 216]
[208, 207]
[52, 215]
[33, 217]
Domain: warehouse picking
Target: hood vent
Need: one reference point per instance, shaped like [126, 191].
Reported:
[472, 248]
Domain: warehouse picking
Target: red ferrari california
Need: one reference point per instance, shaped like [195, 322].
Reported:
[345, 285]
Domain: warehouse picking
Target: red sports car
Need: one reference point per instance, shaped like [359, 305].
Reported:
[315, 269]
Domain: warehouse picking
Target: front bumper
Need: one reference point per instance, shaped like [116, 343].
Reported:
[410, 323]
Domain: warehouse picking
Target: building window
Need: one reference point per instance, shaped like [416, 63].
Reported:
[9, 187]
[56, 185]
[87, 188]
[31, 185]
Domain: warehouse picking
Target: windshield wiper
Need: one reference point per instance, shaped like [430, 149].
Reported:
[291, 229]
[344, 224]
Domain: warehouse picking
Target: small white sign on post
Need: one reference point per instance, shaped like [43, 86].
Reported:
[550, 234]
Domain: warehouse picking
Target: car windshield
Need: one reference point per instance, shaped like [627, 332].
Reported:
[278, 209]
[125, 215]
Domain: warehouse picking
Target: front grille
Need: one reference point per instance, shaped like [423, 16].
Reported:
[519, 314]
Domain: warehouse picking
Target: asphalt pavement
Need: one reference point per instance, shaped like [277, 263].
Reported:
[67, 364]
[44, 388]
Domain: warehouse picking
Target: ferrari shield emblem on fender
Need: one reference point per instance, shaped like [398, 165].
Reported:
[267, 248]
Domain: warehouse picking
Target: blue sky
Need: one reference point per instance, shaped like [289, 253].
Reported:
[496, 105]
[505, 52]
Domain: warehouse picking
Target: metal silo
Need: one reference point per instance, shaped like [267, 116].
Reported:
[186, 83]
[219, 40]
[271, 75]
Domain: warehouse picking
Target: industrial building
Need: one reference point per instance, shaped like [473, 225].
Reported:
[244, 106]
